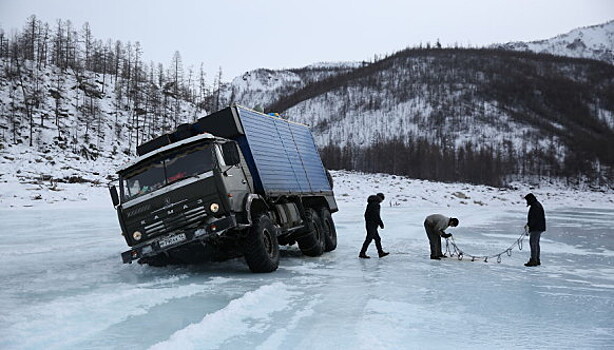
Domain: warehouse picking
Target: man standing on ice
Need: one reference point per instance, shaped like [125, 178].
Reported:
[536, 225]
[372, 222]
[435, 226]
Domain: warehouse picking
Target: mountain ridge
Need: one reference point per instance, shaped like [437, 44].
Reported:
[593, 42]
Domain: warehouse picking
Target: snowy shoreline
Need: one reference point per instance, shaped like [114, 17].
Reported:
[349, 187]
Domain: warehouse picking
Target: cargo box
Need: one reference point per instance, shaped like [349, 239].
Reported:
[281, 154]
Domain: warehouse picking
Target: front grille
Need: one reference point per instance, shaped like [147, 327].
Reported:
[175, 219]
[180, 216]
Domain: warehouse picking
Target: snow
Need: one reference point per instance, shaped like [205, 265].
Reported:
[74, 142]
[412, 119]
[64, 286]
[261, 87]
[204, 136]
[594, 42]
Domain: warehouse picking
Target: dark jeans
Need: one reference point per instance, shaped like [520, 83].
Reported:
[372, 235]
[434, 240]
[534, 243]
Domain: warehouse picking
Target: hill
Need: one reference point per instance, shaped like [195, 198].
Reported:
[594, 42]
[477, 115]
[519, 111]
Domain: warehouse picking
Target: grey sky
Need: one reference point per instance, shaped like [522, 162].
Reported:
[240, 35]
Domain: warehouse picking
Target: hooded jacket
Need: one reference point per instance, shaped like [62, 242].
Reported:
[372, 213]
[536, 218]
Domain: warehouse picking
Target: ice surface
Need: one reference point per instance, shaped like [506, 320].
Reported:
[63, 285]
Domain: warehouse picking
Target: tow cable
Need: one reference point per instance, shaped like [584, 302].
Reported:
[456, 251]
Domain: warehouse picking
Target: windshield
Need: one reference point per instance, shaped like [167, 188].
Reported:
[168, 169]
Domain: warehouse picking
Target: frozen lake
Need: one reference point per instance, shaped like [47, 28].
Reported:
[63, 286]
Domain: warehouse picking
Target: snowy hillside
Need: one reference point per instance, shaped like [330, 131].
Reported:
[82, 126]
[594, 42]
[517, 107]
[262, 87]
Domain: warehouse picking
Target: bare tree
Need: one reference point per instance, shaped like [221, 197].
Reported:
[86, 33]
[217, 88]
[177, 78]
[203, 91]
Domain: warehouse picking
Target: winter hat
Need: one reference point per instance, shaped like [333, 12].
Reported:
[381, 195]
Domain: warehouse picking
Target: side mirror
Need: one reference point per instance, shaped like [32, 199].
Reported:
[114, 195]
[231, 153]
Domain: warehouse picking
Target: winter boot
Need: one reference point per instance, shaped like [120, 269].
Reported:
[435, 257]
[531, 263]
[538, 262]
[364, 256]
[383, 254]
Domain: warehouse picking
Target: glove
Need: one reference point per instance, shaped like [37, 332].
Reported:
[381, 225]
[526, 229]
[446, 235]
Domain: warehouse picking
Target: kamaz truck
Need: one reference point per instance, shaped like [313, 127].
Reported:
[234, 183]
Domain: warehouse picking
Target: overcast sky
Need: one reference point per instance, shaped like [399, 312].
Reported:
[241, 35]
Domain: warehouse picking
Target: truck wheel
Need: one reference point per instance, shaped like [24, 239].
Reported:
[314, 242]
[330, 233]
[261, 249]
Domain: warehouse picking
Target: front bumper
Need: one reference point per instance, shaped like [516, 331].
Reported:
[152, 247]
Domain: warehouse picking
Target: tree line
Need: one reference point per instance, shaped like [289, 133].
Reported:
[73, 69]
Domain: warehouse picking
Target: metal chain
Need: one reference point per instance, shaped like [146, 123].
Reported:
[460, 253]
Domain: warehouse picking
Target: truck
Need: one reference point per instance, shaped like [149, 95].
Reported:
[234, 183]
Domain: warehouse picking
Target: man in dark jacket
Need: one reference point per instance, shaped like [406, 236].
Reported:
[372, 222]
[434, 225]
[536, 225]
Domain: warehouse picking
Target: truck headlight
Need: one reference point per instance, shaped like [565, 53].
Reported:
[214, 207]
[137, 235]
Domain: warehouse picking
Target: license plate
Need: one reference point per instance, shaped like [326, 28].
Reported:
[171, 240]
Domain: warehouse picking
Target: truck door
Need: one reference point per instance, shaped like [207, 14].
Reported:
[235, 174]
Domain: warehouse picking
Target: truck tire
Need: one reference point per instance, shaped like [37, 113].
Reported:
[261, 248]
[314, 242]
[330, 233]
